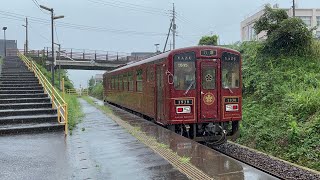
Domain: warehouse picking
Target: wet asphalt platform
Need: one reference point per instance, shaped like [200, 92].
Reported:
[101, 149]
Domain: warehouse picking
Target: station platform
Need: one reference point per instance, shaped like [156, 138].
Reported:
[99, 148]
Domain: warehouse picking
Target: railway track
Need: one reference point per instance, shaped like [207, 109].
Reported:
[269, 164]
[275, 167]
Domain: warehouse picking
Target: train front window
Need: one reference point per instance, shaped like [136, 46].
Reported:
[230, 70]
[184, 71]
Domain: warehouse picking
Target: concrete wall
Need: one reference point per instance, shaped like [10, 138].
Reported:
[11, 44]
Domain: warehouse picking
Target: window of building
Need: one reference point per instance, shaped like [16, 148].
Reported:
[318, 21]
[130, 80]
[125, 82]
[318, 34]
[306, 20]
[139, 80]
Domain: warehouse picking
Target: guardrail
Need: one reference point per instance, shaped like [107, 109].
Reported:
[57, 101]
[78, 92]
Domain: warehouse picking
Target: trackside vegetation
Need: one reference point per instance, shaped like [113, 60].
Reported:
[281, 89]
[95, 89]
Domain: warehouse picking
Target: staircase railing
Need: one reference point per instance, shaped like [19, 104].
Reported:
[57, 101]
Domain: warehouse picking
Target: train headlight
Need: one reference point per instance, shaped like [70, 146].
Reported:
[183, 109]
[232, 107]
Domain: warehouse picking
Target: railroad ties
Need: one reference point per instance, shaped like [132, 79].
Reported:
[24, 107]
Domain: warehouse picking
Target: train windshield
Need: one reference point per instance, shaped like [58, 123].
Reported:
[184, 71]
[230, 70]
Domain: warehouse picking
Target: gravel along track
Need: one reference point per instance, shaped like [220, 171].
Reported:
[276, 167]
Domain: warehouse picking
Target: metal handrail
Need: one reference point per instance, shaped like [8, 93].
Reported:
[57, 101]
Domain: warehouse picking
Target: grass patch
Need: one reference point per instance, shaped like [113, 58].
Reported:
[185, 159]
[163, 145]
[75, 113]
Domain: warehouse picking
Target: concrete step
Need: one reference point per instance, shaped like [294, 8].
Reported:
[19, 85]
[25, 100]
[30, 128]
[25, 105]
[21, 79]
[18, 76]
[21, 91]
[29, 119]
[11, 96]
[22, 88]
[16, 73]
[18, 82]
[24, 112]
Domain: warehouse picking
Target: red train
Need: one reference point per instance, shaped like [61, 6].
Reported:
[194, 91]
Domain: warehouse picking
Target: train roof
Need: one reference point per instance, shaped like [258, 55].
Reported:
[166, 54]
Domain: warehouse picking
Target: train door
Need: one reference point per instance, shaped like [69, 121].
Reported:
[160, 93]
[207, 89]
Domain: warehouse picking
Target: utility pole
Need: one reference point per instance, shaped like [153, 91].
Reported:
[27, 41]
[165, 45]
[52, 40]
[294, 8]
[174, 27]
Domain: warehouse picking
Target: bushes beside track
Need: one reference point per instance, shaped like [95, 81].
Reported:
[281, 105]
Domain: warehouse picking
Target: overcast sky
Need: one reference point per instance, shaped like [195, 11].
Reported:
[127, 26]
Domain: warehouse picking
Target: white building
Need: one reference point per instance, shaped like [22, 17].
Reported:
[309, 16]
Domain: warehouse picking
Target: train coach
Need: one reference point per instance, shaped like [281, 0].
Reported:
[194, 91]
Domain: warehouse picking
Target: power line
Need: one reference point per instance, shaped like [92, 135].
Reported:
[20, 17]
[133, 7]
[38, 6]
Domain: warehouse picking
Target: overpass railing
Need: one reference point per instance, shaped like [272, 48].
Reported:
[57, 101]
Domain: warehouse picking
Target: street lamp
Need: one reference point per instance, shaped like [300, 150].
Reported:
[5, 41]
[157, 48]
[52, 40]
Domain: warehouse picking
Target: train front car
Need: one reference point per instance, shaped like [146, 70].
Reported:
[204, 93]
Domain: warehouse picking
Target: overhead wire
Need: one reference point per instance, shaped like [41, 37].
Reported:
[132, 7]
[16, 16]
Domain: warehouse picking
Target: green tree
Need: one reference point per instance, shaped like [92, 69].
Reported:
[209, 40]
[287, 36]
[270, 20]
[91, 83]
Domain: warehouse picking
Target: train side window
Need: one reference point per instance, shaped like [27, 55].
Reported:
[139, 82]
[109, 83]
[150, 74]
[120, 82]
[208, 78]
[116, 82]
[125, 82]
[130, 79]
[112, 82]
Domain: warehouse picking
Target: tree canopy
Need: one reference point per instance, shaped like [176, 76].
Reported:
[289, 36]
[209, 40]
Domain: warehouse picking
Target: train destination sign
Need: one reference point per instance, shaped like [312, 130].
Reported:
[208, 52]
[183, 102]
[226, 56]
[188, 56]
[231, 100]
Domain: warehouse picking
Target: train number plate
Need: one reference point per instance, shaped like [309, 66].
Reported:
[208, 53]
[183, 101]
[231, 100]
